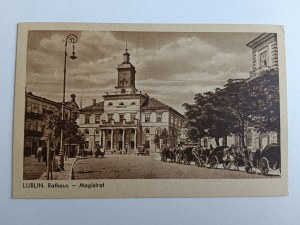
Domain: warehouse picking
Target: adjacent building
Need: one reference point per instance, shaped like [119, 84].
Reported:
[35, 129]
[264, 53]
[127, 118]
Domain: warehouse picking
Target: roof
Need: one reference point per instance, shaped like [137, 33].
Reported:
[261, 38]
[30, 94]
[98, 107]
[153, 103]
[46, 100]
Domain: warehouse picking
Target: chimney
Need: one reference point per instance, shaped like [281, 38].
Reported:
[94, 101]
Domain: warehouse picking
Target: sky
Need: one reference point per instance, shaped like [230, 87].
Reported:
[171, 67]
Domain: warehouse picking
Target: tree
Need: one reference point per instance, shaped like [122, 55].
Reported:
[265, 89]
[70, 129]
[156, 140]
[206, 117]
[240, 104]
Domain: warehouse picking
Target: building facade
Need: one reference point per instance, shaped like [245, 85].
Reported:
[264, 53]
[128, 118]
[35, 128]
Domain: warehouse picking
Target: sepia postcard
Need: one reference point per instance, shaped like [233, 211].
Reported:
[144, 110]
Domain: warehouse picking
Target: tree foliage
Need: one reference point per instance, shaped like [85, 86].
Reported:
[241, 103]
[70, 128]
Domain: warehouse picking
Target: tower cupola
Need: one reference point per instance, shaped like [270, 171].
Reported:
[126, 55]
[126, 74]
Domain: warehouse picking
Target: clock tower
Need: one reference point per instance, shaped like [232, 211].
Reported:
[126, 75]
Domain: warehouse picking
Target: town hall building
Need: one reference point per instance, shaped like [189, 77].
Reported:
[128, 118]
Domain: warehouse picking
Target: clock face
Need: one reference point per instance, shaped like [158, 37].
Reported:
[124, 79]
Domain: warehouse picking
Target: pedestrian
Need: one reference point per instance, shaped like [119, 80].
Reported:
[237, 155]
[39, 153]
[44, 154]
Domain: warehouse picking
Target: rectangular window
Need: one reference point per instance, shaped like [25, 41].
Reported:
[44, 109]
[74, 115]
[27, 125]
[132, 117]
[147, 118]
[121, 117]
[86, 144]
[97, 118]
[264, 59]
[158, 118]
[110, 117]
[36, 107]
[87, 119]
[52, 110]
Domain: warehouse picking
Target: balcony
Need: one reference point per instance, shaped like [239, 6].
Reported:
[33, 133]
[255, 73]
[34, 116]
[123, 123]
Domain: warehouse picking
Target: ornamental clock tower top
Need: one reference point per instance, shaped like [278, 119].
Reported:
[126, 75]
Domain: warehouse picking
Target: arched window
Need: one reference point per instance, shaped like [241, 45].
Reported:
[147, 130]
[133, 103]
[97, 131]
[86, 131]
[110, 104]
[158, 130]
[121, 103]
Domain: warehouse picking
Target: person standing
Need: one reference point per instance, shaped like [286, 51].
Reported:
[44, 154]
[39, 153]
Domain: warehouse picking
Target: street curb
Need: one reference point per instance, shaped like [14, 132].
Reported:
[71, 170]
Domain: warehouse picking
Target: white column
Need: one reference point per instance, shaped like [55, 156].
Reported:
[270, 55]
[123, 142]
[112, 139]
[257, 60]
[100, 138]
[135, 139]
[104, 144]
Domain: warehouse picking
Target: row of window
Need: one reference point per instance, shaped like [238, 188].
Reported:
[120, 131]
[109, 117]
[132, 118]
[37, 108]
[121, 103]
[158, 118]
[175, 121]
[36, 126]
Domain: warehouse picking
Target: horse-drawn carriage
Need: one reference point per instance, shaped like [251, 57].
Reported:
[168, 153]
[219, 155]
[270, 159]
[228, 156]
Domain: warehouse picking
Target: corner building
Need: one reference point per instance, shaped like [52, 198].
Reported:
[127, 118]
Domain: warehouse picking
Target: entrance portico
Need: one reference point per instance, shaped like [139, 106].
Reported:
[118, 136]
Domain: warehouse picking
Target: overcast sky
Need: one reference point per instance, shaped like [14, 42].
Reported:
[171, 67]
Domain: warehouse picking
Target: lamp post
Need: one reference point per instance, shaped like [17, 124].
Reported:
[70, 39]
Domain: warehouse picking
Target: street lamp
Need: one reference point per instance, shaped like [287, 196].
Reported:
[70, 39]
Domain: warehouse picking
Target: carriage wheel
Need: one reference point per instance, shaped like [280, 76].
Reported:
[178, 160]
[185, 160]
[264, 166]
[227, 164]
[248, 166]
[214, 162]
